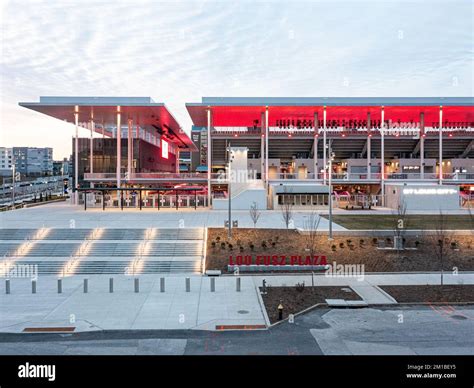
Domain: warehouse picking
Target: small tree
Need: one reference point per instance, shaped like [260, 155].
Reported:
[254, 214]
[441, 242]
[287, 213]
[401, 225]
[311, 225]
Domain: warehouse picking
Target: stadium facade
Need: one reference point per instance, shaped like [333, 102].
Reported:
[271, 151]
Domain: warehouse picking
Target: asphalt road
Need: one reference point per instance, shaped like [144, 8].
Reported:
[399, 330]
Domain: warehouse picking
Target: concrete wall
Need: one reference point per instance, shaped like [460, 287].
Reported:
[423, 197]
[243, 200]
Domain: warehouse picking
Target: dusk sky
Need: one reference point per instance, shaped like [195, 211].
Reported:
[179, 51]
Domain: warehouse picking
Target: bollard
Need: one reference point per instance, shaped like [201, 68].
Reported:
[86, 285]
[237, 281]
[111, 285]
[60, 286]
[188, 285]
[137, 285]
[33, 286]
[213, 284]
[162, 284]
[7, 286]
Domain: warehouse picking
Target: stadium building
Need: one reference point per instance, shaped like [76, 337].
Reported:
[367, 152]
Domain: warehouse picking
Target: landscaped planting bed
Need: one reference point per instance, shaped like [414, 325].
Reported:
[297, 299]
[432, 293]
[342, 250]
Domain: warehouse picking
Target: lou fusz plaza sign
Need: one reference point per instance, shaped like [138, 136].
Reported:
[266, 260]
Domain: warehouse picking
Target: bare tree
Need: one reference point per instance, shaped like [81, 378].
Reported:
[254, 213]
[471, 215]
[311, 225]
[401, 225]
[441, 242]
[287, 213]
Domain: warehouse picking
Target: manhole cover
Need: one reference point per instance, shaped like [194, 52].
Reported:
[459, 317]
[243, 312]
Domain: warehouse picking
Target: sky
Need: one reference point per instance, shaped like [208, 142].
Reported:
[179, 51]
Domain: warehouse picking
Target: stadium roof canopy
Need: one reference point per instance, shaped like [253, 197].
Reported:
[244, 111]
[149, 115]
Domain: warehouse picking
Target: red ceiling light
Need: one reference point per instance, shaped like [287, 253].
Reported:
[289, 135]
[235, 135]
[450, 135]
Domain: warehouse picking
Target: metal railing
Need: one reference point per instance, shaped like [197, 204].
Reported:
[147, 175]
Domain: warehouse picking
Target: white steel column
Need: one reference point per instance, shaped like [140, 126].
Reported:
[91, 153]
[76, 156]
[422, 145]
[129, 149]
[262, 148]
[315, 145]
[119, 153]
[324, 147]
[266, 146]
[177, 160]
[369, 151]
[91, 161]
[382, 156]
[440, 145]
[209, 160]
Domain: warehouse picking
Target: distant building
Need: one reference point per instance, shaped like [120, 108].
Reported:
[61, 167]
[5, 161]
[32, 161]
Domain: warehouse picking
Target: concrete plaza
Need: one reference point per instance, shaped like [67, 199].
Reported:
[151, 309]
[63, 215]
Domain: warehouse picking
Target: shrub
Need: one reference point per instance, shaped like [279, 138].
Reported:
[341, 245]
[231, 247]
[333, 248]
[264, 244]
[299, 287]
[273, 244]
[375, 241]
[252, 246]
[361, 241]
[241, 249]
[213, 244]
[417, 244]
[218, 239]
[222, 245]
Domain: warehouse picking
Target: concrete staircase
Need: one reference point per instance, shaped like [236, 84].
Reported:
[105, 251]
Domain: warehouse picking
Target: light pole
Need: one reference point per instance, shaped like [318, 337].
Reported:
[331, 158]
[13, 181]
[229, 181]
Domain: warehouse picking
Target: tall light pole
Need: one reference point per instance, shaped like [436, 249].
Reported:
[229, 182]
[331, 158]
[13, 182]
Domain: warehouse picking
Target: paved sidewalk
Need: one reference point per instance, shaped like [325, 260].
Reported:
[173, 309]
[61, 215]
[125, 309]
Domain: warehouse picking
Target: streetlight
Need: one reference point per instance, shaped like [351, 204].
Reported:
[230, 157]
[331, 158]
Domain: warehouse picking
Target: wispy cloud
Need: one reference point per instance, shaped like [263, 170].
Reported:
[179, 51]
